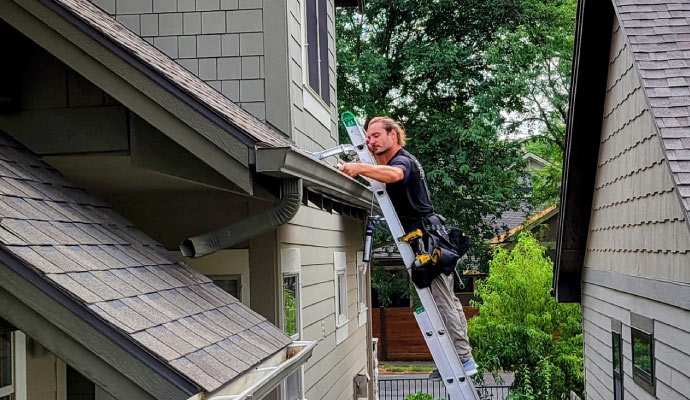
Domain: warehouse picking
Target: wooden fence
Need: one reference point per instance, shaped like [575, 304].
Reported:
[399, 336]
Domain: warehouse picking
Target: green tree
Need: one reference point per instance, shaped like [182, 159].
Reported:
[423, 63]
[521, 327]
[463, 76]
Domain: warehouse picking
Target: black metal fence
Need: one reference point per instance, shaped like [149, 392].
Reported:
[396, 388]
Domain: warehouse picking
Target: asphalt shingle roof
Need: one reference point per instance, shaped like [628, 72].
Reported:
[658, 33]
[80, 245]
[174, 72]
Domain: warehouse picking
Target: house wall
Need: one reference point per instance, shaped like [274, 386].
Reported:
[637, 225]
[220, 41]
[637, 230]
[318, 235]
[249, 50]
[314, 124]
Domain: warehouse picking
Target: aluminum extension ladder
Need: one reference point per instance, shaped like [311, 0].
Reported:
[458, 385]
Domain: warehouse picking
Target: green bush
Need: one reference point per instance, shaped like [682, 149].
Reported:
[521, 327]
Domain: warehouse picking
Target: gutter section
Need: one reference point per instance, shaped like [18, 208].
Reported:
[280, 213]
[258, 382]
[282, 162]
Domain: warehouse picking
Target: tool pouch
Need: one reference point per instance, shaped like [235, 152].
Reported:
[423, 275]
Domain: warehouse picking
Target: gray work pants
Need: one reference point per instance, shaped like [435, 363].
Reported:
[451, 312]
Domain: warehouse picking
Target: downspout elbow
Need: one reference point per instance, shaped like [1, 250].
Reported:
[283, 211]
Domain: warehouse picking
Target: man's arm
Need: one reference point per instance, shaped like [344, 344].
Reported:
[381, 173]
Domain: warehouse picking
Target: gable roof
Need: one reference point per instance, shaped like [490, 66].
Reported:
[75, 243]
[658, 36]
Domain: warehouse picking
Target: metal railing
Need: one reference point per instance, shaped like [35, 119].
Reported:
[396, 388]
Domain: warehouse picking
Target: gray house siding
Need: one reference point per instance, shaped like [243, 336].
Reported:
[637, 225]
[220, 41]
[308, 130]
[318, 235]
[637, 229]
[226, 43]
[671, 327]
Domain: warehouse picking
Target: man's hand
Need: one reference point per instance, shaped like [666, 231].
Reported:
[350, 169]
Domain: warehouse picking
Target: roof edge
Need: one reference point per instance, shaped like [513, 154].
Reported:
[585, 114]
[164, 82]
[26, 272]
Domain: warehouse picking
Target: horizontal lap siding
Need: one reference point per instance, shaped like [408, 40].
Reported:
[671, 334]
[318, 234]
[638, 228]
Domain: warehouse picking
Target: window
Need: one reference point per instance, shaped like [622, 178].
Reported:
[617, 366]
[361, 288]
[290, 306]
[317, 48]
[642, 342]
[340, 268]
[230, 283]
[6, 366]
[643, 359]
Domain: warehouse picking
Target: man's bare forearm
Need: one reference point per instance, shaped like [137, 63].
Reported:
[381, 173]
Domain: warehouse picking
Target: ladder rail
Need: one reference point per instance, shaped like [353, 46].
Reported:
[458, 385]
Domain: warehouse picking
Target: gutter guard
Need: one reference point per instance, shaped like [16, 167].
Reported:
[264, 378]
[282, 162]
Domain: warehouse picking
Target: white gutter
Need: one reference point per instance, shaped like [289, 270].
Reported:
[258, 382]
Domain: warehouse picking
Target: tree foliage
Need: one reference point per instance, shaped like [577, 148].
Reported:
[462, 76]
[423, 63]
[521, 327]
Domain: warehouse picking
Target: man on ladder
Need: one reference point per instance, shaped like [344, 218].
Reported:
[407, 188]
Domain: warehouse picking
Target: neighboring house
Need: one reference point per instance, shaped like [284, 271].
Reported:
[543, 225]
[189, 119]
[624, 242]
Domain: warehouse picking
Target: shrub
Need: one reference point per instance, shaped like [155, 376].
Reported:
[521, 327]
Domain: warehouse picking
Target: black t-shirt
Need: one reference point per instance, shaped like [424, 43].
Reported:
[409, 196]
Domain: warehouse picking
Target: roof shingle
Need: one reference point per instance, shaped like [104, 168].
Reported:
[77, 243]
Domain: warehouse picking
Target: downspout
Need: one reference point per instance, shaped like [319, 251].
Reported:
[281, 212]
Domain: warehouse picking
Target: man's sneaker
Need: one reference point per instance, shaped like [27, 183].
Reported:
[435, 376]
[470, 367]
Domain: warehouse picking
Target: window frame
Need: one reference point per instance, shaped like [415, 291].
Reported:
[18, 357]
[298, 334]
[228, 277]
[362, 303]
[11, 389]
[312, 100]
[641, 377]
[291, 265]
[340, 269]
[616, 337]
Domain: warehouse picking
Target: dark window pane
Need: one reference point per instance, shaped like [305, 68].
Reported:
[79, 387]
[616, 353]
[323, 52]
[642, 354]
[230, 285]
[290, 304]
[312, 45]
[342, 295]
[5, 359]
[5, 398]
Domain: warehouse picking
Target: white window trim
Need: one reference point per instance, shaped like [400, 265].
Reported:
[340, 267]
[291, 265]
[361, 275]
[18, 358]
[313, 103]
